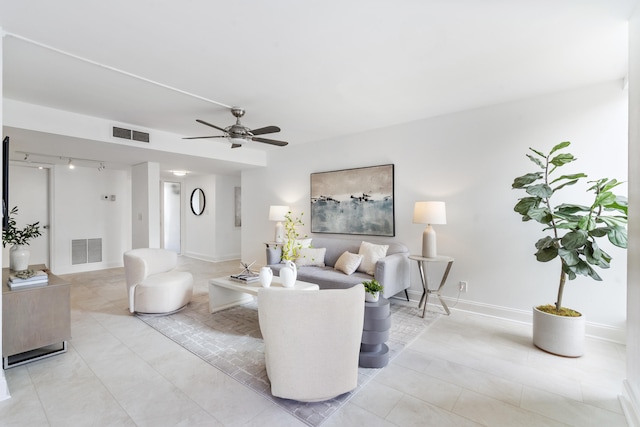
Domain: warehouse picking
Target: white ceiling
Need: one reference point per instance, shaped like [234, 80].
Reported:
[317, 69]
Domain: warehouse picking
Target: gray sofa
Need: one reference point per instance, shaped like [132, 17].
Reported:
[391, 271]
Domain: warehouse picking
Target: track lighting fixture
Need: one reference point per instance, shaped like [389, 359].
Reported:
[70, 161]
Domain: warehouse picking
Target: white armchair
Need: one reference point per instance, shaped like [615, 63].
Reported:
[312, 340]
[152, 283]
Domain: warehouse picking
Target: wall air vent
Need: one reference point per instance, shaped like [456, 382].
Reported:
[86, 250]
[121, 133]
[140, 136]
[130, 134]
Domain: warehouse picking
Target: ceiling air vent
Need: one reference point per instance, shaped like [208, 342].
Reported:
[130, 134]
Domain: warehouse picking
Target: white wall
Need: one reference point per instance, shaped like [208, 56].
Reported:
[469, 160]
[212, 236]
[80, 213]
[145, 203]
[631, 401]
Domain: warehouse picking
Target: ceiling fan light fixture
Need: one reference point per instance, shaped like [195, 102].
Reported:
[236, 140]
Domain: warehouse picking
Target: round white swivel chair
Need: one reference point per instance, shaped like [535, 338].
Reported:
[152, 283]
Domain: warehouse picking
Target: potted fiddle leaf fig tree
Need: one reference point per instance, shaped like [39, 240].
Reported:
[572, 232]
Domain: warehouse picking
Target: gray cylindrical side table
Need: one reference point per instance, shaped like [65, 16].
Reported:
[374, 353]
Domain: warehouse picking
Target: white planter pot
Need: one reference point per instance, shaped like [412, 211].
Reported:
[559, 335]
[369, 297]
[19, 257]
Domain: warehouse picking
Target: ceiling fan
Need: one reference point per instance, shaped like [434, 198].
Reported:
[238, 133]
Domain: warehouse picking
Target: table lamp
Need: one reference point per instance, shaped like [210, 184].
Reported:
[429, 213]
[277, 213]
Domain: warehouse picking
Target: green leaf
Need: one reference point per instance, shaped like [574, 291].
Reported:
[562, 159]
[525, 180]
[569, 257]
[540, 190]
[546, 254]
[611, 184]
[599, 232]
[542, 215]
[605, 199]
[538, 153]
[565, 184]
[574, 239]
[571, 209]
[526, 203]
[560, 146]
[536, 160]
[618, 236]
[587, 223]
[613, 221]
[547, 249]
[574, 176]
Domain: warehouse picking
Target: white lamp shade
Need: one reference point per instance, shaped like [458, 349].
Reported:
[429, 213]
[277, 213]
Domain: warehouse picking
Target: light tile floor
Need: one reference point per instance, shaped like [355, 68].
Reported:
[466, 370]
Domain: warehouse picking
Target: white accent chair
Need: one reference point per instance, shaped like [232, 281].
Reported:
[312, 340]
[152, 283]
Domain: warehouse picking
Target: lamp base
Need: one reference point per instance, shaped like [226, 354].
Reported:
[429, 242]
[279, 237]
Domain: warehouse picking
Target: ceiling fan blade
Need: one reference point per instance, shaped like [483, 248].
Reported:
[270, 141]
[202, 137]
[209, 124]
[266, 129]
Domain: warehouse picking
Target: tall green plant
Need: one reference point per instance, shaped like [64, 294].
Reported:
[574, 228]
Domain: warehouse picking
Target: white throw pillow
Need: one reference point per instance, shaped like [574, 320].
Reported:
[371, 253]
[312, 257]
[348, 262]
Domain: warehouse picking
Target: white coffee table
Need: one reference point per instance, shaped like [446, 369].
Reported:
[225, 292]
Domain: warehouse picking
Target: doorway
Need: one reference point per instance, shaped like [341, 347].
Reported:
[29, 191]
[171, 216]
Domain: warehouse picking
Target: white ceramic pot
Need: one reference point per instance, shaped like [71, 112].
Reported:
[289, 274]
[369, 297]
[19, 257]
[266, 276]
[559, 335]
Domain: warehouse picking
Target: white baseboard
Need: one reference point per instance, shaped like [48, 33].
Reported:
[209, 258]
[593, 330]
[630, 404]
[4, 387]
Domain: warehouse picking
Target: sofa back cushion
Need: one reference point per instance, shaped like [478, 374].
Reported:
[336, 246]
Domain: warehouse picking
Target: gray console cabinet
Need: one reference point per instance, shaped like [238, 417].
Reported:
[36, 322]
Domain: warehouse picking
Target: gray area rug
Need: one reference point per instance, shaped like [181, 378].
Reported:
[230, 340]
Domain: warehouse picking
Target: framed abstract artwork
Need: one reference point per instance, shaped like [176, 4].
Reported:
[353, 201]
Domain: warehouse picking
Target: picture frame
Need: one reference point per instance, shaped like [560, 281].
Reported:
[354, 201]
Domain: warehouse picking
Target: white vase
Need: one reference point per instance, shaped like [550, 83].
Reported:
[266, 275]
[369, 297]
[559, 335]
[289, 274]
[19, 257]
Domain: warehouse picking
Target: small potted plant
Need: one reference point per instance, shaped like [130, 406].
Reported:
[19, 238]
[571, 235]
[372, 290]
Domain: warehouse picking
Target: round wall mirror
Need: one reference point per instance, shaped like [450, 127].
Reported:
[197, 201]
